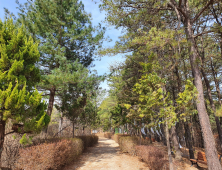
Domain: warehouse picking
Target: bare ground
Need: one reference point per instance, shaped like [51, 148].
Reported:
[106, 156]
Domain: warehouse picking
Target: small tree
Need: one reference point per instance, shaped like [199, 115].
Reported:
[19, 100]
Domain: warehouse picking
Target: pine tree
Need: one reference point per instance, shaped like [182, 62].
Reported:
[19, 100]
[65, 34]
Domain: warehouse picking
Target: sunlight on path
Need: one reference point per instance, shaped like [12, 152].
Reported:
[106, 156]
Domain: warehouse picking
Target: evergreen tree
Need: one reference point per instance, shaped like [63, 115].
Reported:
[20, 102]
[65, 34]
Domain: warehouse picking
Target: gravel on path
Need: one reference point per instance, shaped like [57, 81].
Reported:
[106, 156]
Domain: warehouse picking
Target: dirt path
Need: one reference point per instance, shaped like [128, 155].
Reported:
[106, 156]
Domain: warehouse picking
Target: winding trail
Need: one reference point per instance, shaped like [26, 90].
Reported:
[106, 156]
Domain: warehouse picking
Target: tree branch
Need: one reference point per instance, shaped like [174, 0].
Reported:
[202, 10]
[178, 14]
[10, 133]
[206, 32]
[61, 130]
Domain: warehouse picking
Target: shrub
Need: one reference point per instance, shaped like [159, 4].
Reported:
[128, 144]
[50, 155]
[153, 156]
[38, 141]
[153, 140]
[108, 135]
[145, 141]
[118, 136]
[89, 140]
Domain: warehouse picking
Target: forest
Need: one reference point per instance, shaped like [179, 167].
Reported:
[167, 89]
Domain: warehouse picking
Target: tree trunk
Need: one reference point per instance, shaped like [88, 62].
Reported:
[188, 139]
[216, 82]
[173, 128]
[2, 138]
[175, 143]
[209, 143]
[157, 135]
[50, 106]
[60, 125]
[73, 129]
[168, 147]
[51, 100]
[140, 132]
[163, 134]
[213, 106]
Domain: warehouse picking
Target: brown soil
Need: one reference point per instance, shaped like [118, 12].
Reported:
[106, 156]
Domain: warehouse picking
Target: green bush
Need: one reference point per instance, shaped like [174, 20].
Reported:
[50, 155]
[128, 144]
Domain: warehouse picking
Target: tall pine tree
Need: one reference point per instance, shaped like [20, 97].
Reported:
[65, 34]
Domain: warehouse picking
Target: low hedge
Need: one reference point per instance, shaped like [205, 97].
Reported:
[108, 135]
[89, 140]
[50, 155]
[153, 156]
[145, 141]
[118, 136]
[128, 144]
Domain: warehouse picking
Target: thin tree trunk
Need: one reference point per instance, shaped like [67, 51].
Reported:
[188, 139]
[168, 136]
[174, 139]
[219, 130]
[163, 134]
[2, 138]
[209, 143]
[180, 133]
[188, 136]
[140, 132]
[216, 82]
[157, 136]
[168, 147]
[73, 129]
[51, 100]
[50, 105]
[60, 125]
[175, 143]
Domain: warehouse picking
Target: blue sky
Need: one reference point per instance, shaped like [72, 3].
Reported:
[102, 66]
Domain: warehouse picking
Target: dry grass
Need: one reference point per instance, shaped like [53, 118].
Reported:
[89, 140]
[117, 136]
[108, 135]
[127, 144]
[50, 155]
[153, 156]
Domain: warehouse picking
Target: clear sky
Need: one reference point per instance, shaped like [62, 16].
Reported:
[102, 66]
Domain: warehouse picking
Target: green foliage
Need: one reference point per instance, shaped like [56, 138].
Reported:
[157, 105]
[186, 99]
[65, 34]
[25, 140]
[104, 113]
[19, 100]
